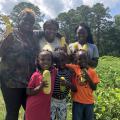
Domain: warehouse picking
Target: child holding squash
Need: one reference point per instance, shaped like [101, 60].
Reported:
[63, 84]
[86, 81]
[40, 88]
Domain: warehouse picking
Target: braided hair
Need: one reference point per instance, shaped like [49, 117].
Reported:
[90, 37]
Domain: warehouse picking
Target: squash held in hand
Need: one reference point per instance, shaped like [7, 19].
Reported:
[47, 78]
[62, 88]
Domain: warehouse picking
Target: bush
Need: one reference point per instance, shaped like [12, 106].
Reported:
[107, 106]
[109, 72]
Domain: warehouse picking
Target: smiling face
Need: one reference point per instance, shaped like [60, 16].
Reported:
[45, 60]
[81, 34]
[50, 32]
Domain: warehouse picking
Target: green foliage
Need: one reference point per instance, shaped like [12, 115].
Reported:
[109, 72]
[72, 18]
[110, 42]
[105, 31]
[1, 25]
[107, 106]
[117, 21]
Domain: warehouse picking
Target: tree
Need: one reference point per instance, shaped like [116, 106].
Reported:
[21, 6]
[68, 21]
[99, 20]
[111, 40]
[83, 14]
[105, 31]
[5, 26]
[1, 23]
[117, 21]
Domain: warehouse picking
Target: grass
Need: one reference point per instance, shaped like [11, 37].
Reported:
[2, 108]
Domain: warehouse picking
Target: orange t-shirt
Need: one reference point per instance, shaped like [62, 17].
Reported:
[84, 93]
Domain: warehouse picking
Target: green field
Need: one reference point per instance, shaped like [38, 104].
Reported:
[107, 105]
[2, 108]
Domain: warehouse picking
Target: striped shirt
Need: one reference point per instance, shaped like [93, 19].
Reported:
[57, 93]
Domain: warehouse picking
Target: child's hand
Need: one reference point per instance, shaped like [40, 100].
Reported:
[85, 75]
[63, 82]
[44, 84]
[41, 86]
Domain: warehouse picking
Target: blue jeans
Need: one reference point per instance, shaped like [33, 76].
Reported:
[82, 111]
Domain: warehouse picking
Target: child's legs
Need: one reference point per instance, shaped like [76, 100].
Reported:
[62, 110]
[77, 111]
[53, 109]
[89, 112]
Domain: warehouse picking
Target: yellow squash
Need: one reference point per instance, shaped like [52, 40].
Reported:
[62, 88]
[85, 47]
[47, 78]
[76, 46]
[48, 47]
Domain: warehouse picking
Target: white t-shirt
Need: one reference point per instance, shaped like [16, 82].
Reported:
[56, 43]
[45, 45]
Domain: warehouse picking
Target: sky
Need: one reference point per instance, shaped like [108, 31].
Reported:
[51, 8]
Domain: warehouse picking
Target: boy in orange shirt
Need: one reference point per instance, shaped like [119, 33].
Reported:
[86, 81]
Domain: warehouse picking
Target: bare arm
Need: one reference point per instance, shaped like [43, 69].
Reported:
[92, 85]
[93, 62]
[36, 90]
